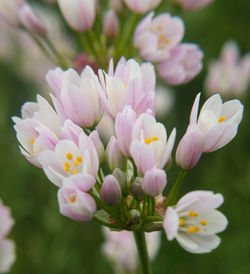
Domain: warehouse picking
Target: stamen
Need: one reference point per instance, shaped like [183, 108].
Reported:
[66, 167]
[193, 214]
[76, 163]
[72, 199]
[155, 139]
[79, 159]
[160, 27]
[182, 222]
[222, 118]
[203, 222]
[124, 85]
[69, 156]
[73, 172]
[32, 141]
[193, 229]
[148, 140]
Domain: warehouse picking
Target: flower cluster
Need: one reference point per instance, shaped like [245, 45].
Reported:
[7, 247]
[229, 75]
[121, 183]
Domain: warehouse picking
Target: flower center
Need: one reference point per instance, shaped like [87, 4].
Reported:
[150, 140]
[162, 41]
[71, 165]
[222, 118]
[190, 223]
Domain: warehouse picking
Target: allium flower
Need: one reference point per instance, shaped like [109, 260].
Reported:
[111, 24]
[216, 126]
[191, 5]
[156, 37]
[38, 129]
[130, 84]
[73, 199]
[9, 11]
[7, 247]
[69, 159]
[150, 147]
[183, 64]
[194, 221]
[79, 14]
[229, 75]
[120, 248]
[142, 6]
[31, 20]
[76, 96]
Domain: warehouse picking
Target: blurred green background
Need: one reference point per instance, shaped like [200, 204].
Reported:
[48, 243]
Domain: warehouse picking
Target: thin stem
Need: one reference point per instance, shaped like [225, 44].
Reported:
[142, 252]
[171, 198]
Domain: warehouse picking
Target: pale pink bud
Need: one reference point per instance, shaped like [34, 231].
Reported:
[142, 6]
[31, 20]
[191, 5]
[116, 5]
[9, 11]
[183, 64]
[111, 192]
[75, 204]
[124, 124]
[94, 137]
[190, 148]
[111, 24]
[114, 155]
[154, 182]
[79, 14]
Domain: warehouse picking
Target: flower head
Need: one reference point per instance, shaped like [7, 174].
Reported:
[194, 221]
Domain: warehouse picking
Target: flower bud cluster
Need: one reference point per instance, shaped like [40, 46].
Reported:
[121, 184]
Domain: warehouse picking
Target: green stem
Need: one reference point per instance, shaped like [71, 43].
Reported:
[61, 60]
[41, 46]
[171, 198]
[142, 252]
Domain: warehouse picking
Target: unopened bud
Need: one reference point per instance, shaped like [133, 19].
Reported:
[121, 179]
[114, 155]
[94, 137]
[111, 191]
[31, 21]
[134, 217]
[136, 189]
[111, 24]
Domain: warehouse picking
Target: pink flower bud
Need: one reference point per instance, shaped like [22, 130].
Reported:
[94, 137]
[183, 64]
[75, 204]
[116, 5]
[79, 14]
[154, 182]
[31, 20]
[111, 24]
[190, 148]
[111, 192]
[142, 6]
[114, 155]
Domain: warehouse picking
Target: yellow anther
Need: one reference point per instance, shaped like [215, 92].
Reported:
[124, 85]
[69, 156]
[182, 222]
[193, 229]
[222, 118]
[148, 140]
[32, 141]
[76, 163]
[196, 229]
[79, 159]
[72, 199]
[193, 214]
[203, 222]
[155, 139]
[67, 169]
[73, 172]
